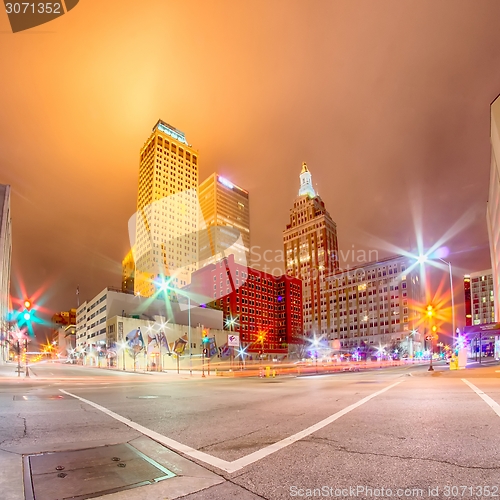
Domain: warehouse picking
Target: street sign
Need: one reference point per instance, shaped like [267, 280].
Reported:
[233, 340]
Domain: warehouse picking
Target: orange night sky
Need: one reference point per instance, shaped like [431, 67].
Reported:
[387, 102]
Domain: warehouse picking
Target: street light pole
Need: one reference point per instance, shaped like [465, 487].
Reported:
[189, 337]
[431, 369]
[18, 357]
[429, 336]
[27, 367]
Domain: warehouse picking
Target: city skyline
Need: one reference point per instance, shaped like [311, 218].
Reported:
[391, 142]
[249, 249]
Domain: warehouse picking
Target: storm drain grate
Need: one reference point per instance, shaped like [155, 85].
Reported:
[89, 473]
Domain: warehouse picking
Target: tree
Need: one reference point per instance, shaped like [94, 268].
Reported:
[298, 350]
[398, 348]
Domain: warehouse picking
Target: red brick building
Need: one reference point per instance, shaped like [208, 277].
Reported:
[264, 310]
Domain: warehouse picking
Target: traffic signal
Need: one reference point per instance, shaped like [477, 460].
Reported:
[430, 311]
[204, 336]
[27, 310]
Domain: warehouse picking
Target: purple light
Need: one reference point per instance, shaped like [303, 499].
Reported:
[441, 253]
[280, 298]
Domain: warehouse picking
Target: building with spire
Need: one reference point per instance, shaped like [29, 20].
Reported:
[311, 249]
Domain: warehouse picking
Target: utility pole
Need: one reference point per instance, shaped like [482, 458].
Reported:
[27, 368]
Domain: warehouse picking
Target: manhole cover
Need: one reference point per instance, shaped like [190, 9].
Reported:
[89, 473]
[32, 397]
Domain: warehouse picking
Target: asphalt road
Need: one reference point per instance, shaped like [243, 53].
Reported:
[398, 431]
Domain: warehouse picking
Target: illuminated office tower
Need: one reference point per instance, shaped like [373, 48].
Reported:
[128, 273]
[163, 232]
[226, 214]
[311, 249]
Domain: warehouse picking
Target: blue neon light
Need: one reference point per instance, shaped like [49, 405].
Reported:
[226, 183]
[176, 134]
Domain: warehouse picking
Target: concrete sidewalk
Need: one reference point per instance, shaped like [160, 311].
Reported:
[10, 370]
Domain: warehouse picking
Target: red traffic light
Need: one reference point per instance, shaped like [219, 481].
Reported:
[27, 304]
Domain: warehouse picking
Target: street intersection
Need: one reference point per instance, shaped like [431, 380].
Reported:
[403, 429]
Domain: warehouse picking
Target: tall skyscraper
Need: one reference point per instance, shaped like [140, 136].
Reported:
[226, 214]
[164, 231]
[311, 249]
[5, 261]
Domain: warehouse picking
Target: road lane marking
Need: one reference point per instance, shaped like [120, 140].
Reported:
[240, 463]
[170, 443]
[490, 402]
[268, 450]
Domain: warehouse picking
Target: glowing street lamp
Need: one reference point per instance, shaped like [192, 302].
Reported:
[421, 259]
[241, 352]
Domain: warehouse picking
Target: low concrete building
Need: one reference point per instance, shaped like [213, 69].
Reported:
[93, 315]
[160, 345]
[66, 340]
